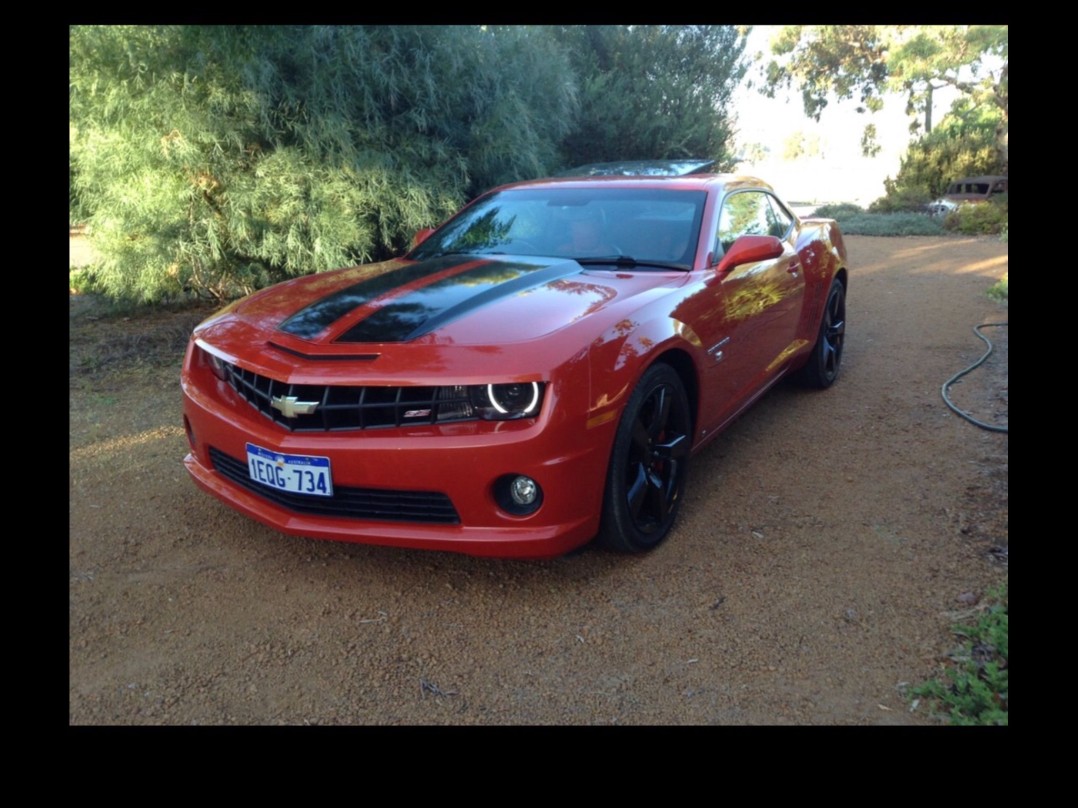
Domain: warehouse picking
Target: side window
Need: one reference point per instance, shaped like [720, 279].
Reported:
[743, 214]
[751, 213]
[779, 220]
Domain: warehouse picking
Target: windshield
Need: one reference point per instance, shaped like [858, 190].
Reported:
[649, 226]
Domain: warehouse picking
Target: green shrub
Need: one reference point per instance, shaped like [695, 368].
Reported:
[901, 200]
[83, 280]
[982, 218]
[890, 224]
[974, 690]
[654, 91]
[998, 292]
[216, 159]
[856, 221]
[840, 212]
[894, 224]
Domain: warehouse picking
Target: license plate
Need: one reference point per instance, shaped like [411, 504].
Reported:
[299, 474]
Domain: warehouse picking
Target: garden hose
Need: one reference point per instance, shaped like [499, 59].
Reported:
[961, 373]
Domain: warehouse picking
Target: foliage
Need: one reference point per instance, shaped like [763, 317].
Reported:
[754, 152]
[980, 218]
[998, 291]
[893, 224]
[798, 145]
[901, 200]
[840, 211]
[975, 688]
[82, 281]
[652, 91]
[847, 60]
[870, 146]
[962, 146]
[863, 62]
[904, 214]
[855, 221]
[217, 159]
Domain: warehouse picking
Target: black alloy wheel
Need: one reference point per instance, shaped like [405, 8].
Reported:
[649, 464]
[823, 365]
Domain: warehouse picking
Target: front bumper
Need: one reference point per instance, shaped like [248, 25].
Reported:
[460, 461]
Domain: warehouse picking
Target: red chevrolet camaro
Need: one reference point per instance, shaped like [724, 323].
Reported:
[537, 372]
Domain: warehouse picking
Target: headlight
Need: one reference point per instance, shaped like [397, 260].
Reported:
[514, 400]
[491, 402]
[504, 402]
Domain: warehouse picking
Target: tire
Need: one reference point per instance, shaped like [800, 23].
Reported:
[648, 465]
[822, 368]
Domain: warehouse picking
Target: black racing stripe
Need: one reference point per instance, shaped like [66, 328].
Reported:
[312, 320]
[430, 307]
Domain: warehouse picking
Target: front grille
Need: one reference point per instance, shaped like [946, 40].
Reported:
[347, 408]
[351, 503]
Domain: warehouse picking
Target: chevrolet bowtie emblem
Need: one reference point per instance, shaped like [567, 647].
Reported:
[291, 406]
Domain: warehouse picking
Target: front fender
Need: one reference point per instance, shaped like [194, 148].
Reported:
[618, 358]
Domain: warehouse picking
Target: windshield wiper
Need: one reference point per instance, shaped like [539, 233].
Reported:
[628, 262]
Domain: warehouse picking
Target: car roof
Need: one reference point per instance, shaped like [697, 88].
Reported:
[684, 182]
[640, 168]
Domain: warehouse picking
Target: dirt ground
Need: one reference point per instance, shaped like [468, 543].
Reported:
[828, 542]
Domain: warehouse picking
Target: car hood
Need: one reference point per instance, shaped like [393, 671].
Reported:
[450, 300]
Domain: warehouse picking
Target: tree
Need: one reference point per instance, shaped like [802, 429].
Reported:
[962, 145]
[798, 144]
[865, 61]
[221, 158]
[653, 91]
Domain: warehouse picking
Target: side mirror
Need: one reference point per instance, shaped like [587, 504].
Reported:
[421, 236]
[749, 249]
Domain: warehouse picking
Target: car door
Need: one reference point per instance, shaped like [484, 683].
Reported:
[751, 328]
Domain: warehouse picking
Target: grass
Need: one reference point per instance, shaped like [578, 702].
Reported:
[973, 691]
[143, 335]
[998, 292]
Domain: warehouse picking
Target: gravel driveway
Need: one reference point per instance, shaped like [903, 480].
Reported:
[828, 542]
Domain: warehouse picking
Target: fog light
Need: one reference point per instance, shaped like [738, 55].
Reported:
[523, 490]
[517, 494]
